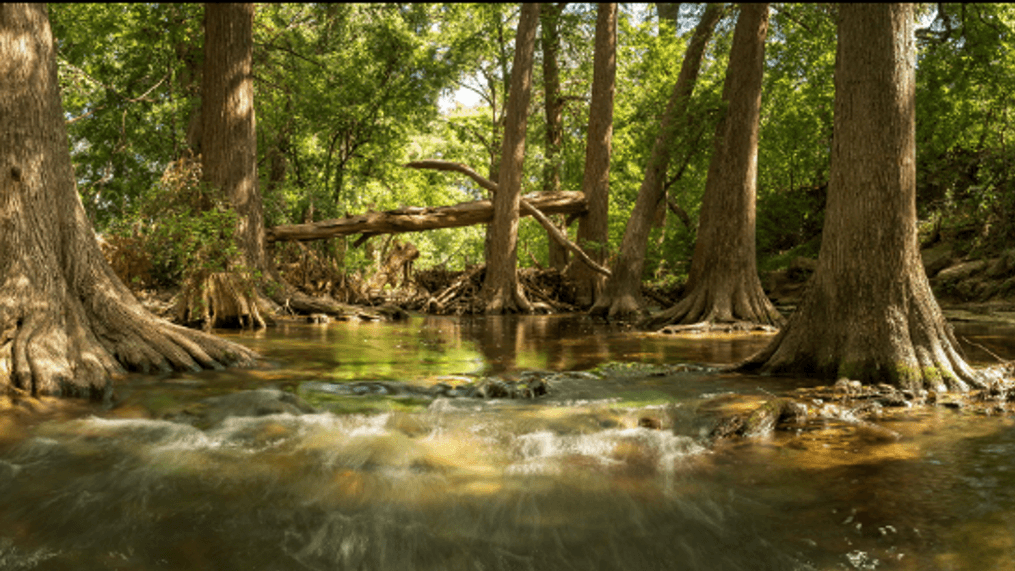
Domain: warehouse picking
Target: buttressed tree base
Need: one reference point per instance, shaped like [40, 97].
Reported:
[67, 323]
[869, 313]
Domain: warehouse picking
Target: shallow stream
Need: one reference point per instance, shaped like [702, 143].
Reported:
[610, 470]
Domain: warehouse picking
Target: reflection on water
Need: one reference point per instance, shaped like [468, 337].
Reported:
[440, 345]
[572, 481]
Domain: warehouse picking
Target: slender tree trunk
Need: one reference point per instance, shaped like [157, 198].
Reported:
[593, 229]
[622, 296]
[668, 12]
[67, 323]
[869, 313]
[554, 106]
[501, 290]
[229, 133]
[497, 121]
[723, 285]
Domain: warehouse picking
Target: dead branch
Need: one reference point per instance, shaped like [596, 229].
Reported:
[415, 219]
[525, 205]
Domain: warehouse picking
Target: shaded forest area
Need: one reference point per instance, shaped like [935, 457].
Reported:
[346, 95]
[224, 155]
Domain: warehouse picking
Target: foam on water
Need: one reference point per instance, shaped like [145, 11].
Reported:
[543, 452]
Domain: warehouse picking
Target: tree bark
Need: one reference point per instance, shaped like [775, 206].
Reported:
[68, 325]
[593, 228]
[622, 296]
[869, 313]
[229, 162]
[501, 290]
[723, 284]
[669, 12]
[553, 109]
[230, 138]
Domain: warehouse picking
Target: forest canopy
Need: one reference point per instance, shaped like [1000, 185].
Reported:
[346, 94]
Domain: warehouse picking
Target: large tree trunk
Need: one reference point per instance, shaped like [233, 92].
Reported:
[501, 290]
[67, 323]
[498, 115]
[554, 109]
[593, 229]
[622, 297]
[230, 138]
[229, 162]
[723, 285]
[869, 313]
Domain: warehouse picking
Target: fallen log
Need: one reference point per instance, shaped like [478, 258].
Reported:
[416, 219]
[527, 207]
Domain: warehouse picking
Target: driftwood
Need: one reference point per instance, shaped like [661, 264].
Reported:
[414, 219]
[527, 207]
[437, 303]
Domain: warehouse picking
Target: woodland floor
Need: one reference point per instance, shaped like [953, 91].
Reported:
[968, 289]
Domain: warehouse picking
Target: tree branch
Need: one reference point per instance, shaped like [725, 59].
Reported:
[524, 204]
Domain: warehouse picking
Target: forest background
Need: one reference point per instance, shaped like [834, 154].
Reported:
[346, 94]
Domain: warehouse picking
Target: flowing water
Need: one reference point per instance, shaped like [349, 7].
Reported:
[611, 470]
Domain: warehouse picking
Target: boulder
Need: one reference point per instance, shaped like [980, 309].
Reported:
[936, 259]
[961, 271]
[213, 411]
[1002, 267]
[801, 268]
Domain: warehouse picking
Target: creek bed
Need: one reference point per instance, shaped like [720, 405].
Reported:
[609, 470]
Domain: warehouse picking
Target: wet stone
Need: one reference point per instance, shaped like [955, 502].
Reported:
[870, 409]
[261, 402]
[528, 387]
[649, 422]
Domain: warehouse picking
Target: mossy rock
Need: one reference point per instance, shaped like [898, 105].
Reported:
[937, 258]
[1003, 266]
[761, 421]
[972, 288]
[962, 271]
[800, 269]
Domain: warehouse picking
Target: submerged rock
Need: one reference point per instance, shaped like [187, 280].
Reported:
[527, 387]
[762, 420]
[260, 402]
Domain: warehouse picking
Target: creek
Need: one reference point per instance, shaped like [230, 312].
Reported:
[610, 470]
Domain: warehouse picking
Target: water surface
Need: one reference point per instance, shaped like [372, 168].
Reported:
[574, 480]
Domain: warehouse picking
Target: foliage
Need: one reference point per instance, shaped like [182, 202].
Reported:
[650, 61]
[796, 127]
[121, 68]
[964, 129]
[184, 226]
[348, 93]
[339, 87]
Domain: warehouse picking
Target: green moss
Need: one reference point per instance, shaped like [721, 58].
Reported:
[901, 374]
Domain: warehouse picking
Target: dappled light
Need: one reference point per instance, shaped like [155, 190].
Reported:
[496, 286]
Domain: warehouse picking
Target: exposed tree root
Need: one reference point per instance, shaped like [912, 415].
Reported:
[507, 299]
[621, 307]
[67, 348]
[719, 304]
[914, 350]
[221, 299]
